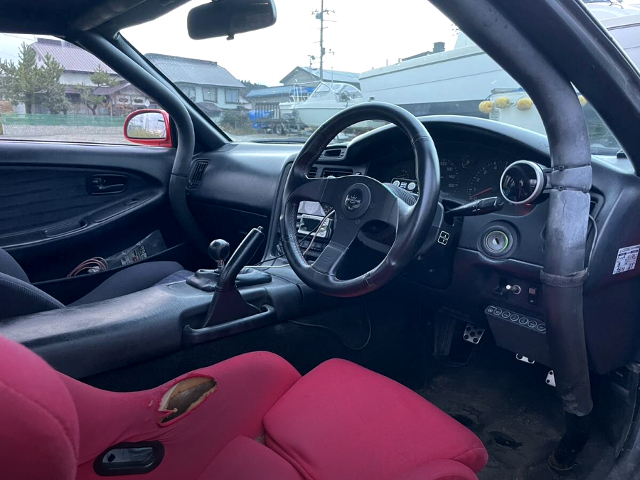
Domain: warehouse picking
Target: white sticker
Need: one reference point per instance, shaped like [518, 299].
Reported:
[626, 259]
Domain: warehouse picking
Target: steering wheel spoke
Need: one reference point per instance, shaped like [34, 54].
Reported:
[345, 232]
[325, 190]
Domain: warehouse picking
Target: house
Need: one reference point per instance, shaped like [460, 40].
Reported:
[311, 76]
[206, 83]
[268, 99]
[78, 67]
[78, 64]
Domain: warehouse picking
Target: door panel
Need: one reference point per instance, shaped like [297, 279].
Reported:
[61, 204]
[43, 201]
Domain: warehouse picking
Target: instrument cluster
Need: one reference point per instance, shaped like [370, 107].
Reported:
[467, 171]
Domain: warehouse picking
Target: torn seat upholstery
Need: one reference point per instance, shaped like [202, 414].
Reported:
[249, 417]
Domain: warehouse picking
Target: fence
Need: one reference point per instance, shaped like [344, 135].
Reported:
[48, 119]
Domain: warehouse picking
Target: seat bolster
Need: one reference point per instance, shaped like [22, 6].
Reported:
[132, 279]
[21, 298]
[246, 459]
[344, 421]
[440, 470]
[9, 266]
[39, 432]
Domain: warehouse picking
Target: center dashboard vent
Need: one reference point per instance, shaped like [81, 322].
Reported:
[336, 172]
[197, 171]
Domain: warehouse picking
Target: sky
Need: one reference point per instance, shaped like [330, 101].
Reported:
[362, 34]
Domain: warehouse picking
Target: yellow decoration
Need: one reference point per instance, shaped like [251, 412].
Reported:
[486, 107]
[502, 102]
[583, 101]
[524, 104]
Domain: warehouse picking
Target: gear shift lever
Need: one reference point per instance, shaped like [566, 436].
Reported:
[227, 304]
[219, 251]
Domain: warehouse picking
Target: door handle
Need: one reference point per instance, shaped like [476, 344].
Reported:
[104, 184]
[115, 188]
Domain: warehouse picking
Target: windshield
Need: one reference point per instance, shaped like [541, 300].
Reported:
[321, 56]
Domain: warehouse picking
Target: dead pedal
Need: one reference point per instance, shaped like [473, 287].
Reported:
[525, 359]
[472, 334]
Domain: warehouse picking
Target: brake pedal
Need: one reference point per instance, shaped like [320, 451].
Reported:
[472, 334]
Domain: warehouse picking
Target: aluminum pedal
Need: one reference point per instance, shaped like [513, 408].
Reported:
[472, 334]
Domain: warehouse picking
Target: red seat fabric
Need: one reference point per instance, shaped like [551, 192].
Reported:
[338, 422]
[344, 421]
[246, 459]
[440, 470]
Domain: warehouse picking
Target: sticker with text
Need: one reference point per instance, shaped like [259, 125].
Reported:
[626, 259]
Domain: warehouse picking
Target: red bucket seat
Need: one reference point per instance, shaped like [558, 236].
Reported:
[250, 417]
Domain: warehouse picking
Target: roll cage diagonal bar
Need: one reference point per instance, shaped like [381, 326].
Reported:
[564, 271]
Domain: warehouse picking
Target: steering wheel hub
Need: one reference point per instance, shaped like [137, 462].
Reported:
[356, 201]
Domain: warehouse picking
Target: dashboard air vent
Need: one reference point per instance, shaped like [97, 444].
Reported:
[337, 171]
[196, 173]
[313, 172]
[334, 153]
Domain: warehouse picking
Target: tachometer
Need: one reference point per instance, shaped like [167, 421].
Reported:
[485, 182]
[449, 177]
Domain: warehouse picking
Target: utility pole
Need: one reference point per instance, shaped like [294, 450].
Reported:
[320, 16]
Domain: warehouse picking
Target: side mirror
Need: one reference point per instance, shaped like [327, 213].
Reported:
[225, 18]
[148, 127]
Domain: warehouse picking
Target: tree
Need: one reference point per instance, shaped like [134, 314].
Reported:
[99, 78]
[53, 91]
[25, 81]
[237, 121]
[252, 86]
[22, 80]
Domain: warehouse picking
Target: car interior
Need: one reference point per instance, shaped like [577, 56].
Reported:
[442, 297]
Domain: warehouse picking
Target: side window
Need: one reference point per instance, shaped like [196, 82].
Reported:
[52, 90]
[231, 96]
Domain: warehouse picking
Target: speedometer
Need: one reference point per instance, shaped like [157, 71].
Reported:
[449, 177]
[485, 182]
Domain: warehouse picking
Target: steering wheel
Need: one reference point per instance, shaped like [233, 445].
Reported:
[358, 200]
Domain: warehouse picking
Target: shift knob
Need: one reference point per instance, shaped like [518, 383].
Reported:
[219, 251]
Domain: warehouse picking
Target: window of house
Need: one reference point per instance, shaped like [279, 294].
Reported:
[231, 96]
[189, 91]
[62, 103]
[209, 94]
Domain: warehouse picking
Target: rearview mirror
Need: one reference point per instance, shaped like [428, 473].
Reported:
[148, 127]
[222, 18]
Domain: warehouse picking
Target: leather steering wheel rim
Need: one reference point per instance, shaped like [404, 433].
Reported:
[357, 200]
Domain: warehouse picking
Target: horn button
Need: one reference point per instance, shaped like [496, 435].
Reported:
[356, 201]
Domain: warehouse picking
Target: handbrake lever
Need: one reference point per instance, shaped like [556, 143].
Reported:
[477, 207]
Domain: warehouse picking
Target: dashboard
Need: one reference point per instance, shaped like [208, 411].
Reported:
[468, 171]
[473, 154]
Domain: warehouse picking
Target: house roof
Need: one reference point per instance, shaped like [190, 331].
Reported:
[191, 70]
[71, 57]
[276, 91]
[327, 75]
